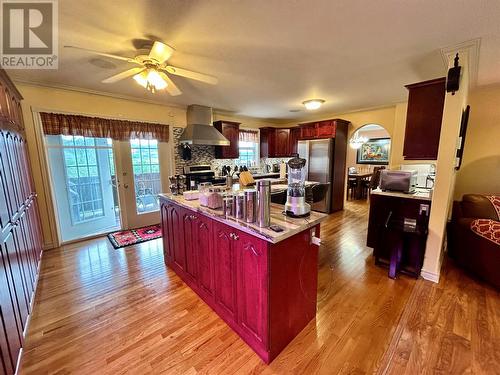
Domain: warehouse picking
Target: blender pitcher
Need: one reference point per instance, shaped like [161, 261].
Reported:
[296, 205]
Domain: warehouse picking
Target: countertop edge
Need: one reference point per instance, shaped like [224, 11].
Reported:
[243, 226]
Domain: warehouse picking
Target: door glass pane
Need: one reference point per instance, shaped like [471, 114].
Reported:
[146, 169]
[84, 183]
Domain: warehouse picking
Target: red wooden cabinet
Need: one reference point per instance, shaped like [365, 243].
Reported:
[326, 129]
[274, 142]
[308, 131]
[20, 235]
[423, 119]
[230, 130]
[225, 277]
[282, 142]
[252, 286]
[293, 140]
[204, 254]
[233, 276]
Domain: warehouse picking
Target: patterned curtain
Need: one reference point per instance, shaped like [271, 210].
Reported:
[120, 130]
[249, 136]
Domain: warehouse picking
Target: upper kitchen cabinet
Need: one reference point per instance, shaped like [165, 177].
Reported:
[230, 130]
[282, 139]
[308, 131]
[10, 103]
[293, 140]
[282, 142]
[423, 119]
[274, 142]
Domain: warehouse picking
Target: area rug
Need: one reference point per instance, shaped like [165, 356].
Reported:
[134, 236]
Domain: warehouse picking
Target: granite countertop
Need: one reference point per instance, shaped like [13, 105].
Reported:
[423, 194]
[290, 225]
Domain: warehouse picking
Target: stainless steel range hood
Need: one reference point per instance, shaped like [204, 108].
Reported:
[199, 130]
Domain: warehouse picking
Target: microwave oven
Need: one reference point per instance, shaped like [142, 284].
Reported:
[403, 181]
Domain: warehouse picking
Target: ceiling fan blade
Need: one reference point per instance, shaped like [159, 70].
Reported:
[160, 52]
[192, 75]
[171, 88]
[117, 57]
[123, 75]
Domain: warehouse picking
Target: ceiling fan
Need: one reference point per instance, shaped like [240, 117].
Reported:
[152, 72]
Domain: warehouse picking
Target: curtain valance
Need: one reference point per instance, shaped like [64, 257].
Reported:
[120, 130]
[249, 135]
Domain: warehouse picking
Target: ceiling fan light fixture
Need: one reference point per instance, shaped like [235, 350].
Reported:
[156, 80]
[142, 79]
[151, 80]
[313, 104]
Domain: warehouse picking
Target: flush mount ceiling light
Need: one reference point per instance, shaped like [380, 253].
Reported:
[313, 104]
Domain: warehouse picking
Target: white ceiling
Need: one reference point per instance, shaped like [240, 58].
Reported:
[269, 56]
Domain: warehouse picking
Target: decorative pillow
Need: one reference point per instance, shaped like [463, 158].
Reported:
[489, 229]
[495, 201]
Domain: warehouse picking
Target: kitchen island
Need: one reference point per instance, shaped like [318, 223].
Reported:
[263, 284]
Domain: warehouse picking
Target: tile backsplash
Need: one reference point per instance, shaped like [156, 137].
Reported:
[201, 154]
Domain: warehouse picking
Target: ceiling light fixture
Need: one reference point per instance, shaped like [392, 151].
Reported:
[357, 141]
[151, 80]
[313, 104]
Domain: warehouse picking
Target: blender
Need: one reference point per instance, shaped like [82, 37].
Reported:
[296, 205]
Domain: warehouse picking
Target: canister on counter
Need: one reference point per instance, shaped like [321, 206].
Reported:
[250, 205]
[239, 206]
[228, 205]
[264, 210]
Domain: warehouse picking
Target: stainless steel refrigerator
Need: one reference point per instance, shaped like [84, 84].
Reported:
[319, 155]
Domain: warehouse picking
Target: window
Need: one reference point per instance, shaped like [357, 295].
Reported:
[146, 166]
[249, 148]
[82, 178]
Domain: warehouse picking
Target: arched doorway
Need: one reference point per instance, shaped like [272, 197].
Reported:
[369, 145]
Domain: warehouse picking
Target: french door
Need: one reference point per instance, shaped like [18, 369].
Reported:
[100, 185]
[144, 168]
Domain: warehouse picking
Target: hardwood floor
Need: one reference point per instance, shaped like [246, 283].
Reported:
[105, 311]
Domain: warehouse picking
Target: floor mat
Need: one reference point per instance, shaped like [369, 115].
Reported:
[134, 236]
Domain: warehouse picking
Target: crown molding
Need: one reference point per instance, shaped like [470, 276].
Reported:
[472, 47]
[59, 86]
[218, 111]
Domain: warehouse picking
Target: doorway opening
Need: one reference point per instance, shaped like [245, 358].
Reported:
[100, 185]
[85, 185]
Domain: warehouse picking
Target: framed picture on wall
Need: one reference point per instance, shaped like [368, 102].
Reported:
[374, 151]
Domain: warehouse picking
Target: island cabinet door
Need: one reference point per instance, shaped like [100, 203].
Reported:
[225, 270]
[175, 231]
[204, 255]
[252, 291]
[167, 249]
[190, 244]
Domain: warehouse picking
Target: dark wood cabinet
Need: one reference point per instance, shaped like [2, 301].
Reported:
[423, 119]
[20, 234]
[233, 276]
[308, 131]
[326, 129]
[251, 289]
[293, 140]
[225, 262]
[204, 254]
[231, 131]
[282, 139]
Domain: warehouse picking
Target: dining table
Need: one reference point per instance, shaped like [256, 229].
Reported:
[359, 177]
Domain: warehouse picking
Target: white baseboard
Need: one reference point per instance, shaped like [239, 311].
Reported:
[431, 276]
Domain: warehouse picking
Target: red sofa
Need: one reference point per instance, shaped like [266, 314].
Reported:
[474, 236]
